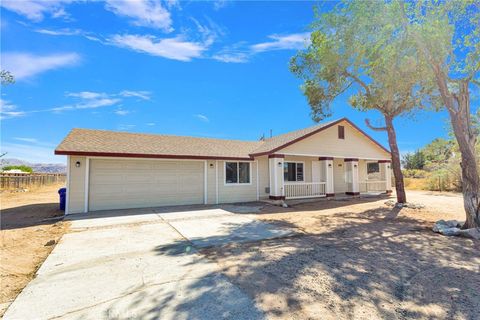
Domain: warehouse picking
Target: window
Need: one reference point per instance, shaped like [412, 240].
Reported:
[341, 132]
[293, 171]
[237, 172]
[373, 167]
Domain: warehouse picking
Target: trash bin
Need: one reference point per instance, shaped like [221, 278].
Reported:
[63, 195]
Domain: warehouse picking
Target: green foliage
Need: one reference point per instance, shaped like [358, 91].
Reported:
[414, 160]
[447, 32]
[22, 167]
[6, 77]
[438, 152]
[362, 44]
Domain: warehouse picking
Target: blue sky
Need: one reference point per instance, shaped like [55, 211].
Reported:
[210, 69]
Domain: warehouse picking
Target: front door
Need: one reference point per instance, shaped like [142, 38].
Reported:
[340, 184]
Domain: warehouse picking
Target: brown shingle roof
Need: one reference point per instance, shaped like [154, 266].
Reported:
[124, 144]
[100, 142]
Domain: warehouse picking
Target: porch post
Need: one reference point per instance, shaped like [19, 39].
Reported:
[275, 165]
[386, 174]
[351, 166]
[326, 167]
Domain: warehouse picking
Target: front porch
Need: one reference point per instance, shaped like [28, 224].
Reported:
[302, 177]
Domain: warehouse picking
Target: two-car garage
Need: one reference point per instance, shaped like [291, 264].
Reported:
[119, 184]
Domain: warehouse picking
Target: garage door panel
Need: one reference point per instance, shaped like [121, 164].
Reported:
[118, 184]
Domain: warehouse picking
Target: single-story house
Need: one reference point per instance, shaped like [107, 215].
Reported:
[119, 170]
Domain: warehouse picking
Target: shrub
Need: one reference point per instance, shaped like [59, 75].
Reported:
[22, 167]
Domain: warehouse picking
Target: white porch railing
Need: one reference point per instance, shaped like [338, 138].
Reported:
[298, 190]
[373, 186]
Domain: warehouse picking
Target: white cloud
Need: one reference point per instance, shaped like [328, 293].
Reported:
[146, 13]
[202, 117]
[9, 110]
[124, 127]
[170, 48]
[25, 65]
[60, 32]
[150, 124]
[121, 112]
[242, 52]
[31, 140]
[219, 4]
[35, 10]
[29, 152]
[145, 95]
[88, 104]
[294, 41]
[87, 95]
[232, 57]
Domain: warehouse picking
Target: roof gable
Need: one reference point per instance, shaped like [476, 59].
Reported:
[279, 142]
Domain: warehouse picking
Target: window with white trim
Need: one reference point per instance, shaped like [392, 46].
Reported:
[237, 172]
[293, 171]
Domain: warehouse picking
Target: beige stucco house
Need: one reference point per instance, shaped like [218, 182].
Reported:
[117, 170]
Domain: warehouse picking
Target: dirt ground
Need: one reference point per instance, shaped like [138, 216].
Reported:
[24, 233]
[351, 259]
[359, 259]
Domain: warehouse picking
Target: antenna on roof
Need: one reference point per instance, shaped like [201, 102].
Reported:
[270, 133]
[262, 138]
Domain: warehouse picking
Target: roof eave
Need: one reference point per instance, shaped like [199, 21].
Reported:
[148, 156]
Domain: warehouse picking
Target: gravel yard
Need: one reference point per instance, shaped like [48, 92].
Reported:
[360, 259]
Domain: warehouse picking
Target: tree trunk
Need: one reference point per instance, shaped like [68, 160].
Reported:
[397, 169]
[458, 106]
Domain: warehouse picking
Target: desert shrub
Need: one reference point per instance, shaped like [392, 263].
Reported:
[415, 183]
[22, 167]
[414, 173]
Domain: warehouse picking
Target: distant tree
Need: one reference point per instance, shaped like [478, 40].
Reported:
[415, 160]
[22, 167]
[6, 77]
[447, 36]
[438, 151]
[358, 46]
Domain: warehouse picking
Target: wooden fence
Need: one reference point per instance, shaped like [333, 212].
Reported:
[10, 181]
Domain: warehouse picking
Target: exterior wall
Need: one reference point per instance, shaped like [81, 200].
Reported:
[362, 170]
[237, 193]
[76, 185]
[327, 143]
[211, 183]
[263, 177]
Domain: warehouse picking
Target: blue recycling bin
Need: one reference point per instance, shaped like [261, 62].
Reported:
[63, 196]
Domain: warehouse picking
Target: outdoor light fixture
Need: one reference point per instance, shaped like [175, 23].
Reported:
[211, 165]
[355, 165]
[279, 164]
[329, 165]
[77, 164]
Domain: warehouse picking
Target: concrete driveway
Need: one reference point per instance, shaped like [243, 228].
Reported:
[142, 264]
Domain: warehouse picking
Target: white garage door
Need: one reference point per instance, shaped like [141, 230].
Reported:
[118, 184]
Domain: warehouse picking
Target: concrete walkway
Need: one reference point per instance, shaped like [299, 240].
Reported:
[141, 264]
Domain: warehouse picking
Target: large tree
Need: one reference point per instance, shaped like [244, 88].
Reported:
[358, 45]
[447, 35]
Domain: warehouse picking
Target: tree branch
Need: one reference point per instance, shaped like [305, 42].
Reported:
[367, 122]
[359, 81]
